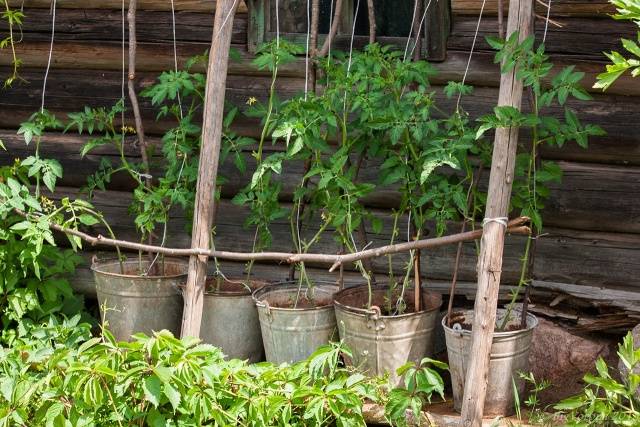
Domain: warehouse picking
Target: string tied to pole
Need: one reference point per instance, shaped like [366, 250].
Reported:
[502, 220]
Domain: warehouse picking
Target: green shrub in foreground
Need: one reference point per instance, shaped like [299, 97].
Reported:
[59, 375]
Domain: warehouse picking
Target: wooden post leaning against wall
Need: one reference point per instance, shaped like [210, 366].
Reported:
[208, 166]
[492, 243]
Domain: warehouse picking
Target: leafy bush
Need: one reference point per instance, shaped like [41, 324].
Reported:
[606, 401]
[33, 271]
[57, 375]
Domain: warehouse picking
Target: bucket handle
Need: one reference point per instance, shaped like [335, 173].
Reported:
[265, 304]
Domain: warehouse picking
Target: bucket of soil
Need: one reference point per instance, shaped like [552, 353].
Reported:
[509, 355]
[383, 338]
[230, 319]
[133, 299]
[295, 320]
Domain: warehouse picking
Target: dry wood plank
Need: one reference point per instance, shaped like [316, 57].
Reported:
[559, 7]
[492, 243]
[593, 295]
[100, 25]
[186, 5]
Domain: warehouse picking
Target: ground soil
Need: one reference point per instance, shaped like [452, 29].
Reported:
[357, 298]
[303, 303]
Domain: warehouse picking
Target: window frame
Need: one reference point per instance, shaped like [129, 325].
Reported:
[433, 46]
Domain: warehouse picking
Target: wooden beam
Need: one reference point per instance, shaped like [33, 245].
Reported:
[208, 166]
[559, 7]
[492, 243]
[180, 5]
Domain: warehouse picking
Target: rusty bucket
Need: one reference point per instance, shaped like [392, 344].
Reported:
[230, 320]
[132, 303]
[509, 355]
[291, 334]
[383, 343]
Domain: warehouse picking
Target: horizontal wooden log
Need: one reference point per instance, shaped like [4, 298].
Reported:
[610, 260]
[150, 57]
[583, 200]
[186, 5]
[576, 38]
[558, 7]
[100, 25]
[159, 57]
[72, 89]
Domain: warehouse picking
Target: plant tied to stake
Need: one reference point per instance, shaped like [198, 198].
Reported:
[533, 175]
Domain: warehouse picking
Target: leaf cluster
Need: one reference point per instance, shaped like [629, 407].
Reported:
[57, 375]
[606, 400]
[421, 382]
[628, 10]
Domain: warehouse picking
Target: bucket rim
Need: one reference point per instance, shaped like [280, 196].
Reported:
[95, 268]
[530, 318]
[364, 312]
[277, 286]
[235, 293]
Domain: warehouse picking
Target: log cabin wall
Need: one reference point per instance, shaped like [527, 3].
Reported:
[592, 218]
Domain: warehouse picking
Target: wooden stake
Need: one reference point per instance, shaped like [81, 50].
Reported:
[492, 243]
[371, 12]
[208, 166]
[131, 18]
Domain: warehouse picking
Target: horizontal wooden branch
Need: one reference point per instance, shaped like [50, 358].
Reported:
[516, 226]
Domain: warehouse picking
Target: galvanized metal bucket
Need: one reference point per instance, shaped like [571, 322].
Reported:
[380, 343]
[509, 355]
[293, 334]
[230, 320]
[136, 303]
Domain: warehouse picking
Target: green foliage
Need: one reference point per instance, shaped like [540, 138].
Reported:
[57, 375]
[178, 95]
[533, 177]
[375, 107]
[607, 401]
[262, 192]
[628, 10]
[14, 20]
[535, 414]
[421, 382]
[33, 271]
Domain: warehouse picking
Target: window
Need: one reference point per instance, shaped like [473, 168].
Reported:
[393, 22]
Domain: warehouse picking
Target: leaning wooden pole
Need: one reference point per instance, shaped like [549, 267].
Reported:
[208, 166]
[492, 243]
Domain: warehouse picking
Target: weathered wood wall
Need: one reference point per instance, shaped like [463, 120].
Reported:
[593, 217]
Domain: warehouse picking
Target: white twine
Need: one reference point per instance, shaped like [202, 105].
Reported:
[473, 46]
[353, 33]
[424, 16]
[502, 220]
[46, 74]
[226, 18]
[546, 24]
[413, 19]
[122, 132]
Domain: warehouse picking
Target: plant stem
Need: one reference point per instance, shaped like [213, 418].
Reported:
[522, 282]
